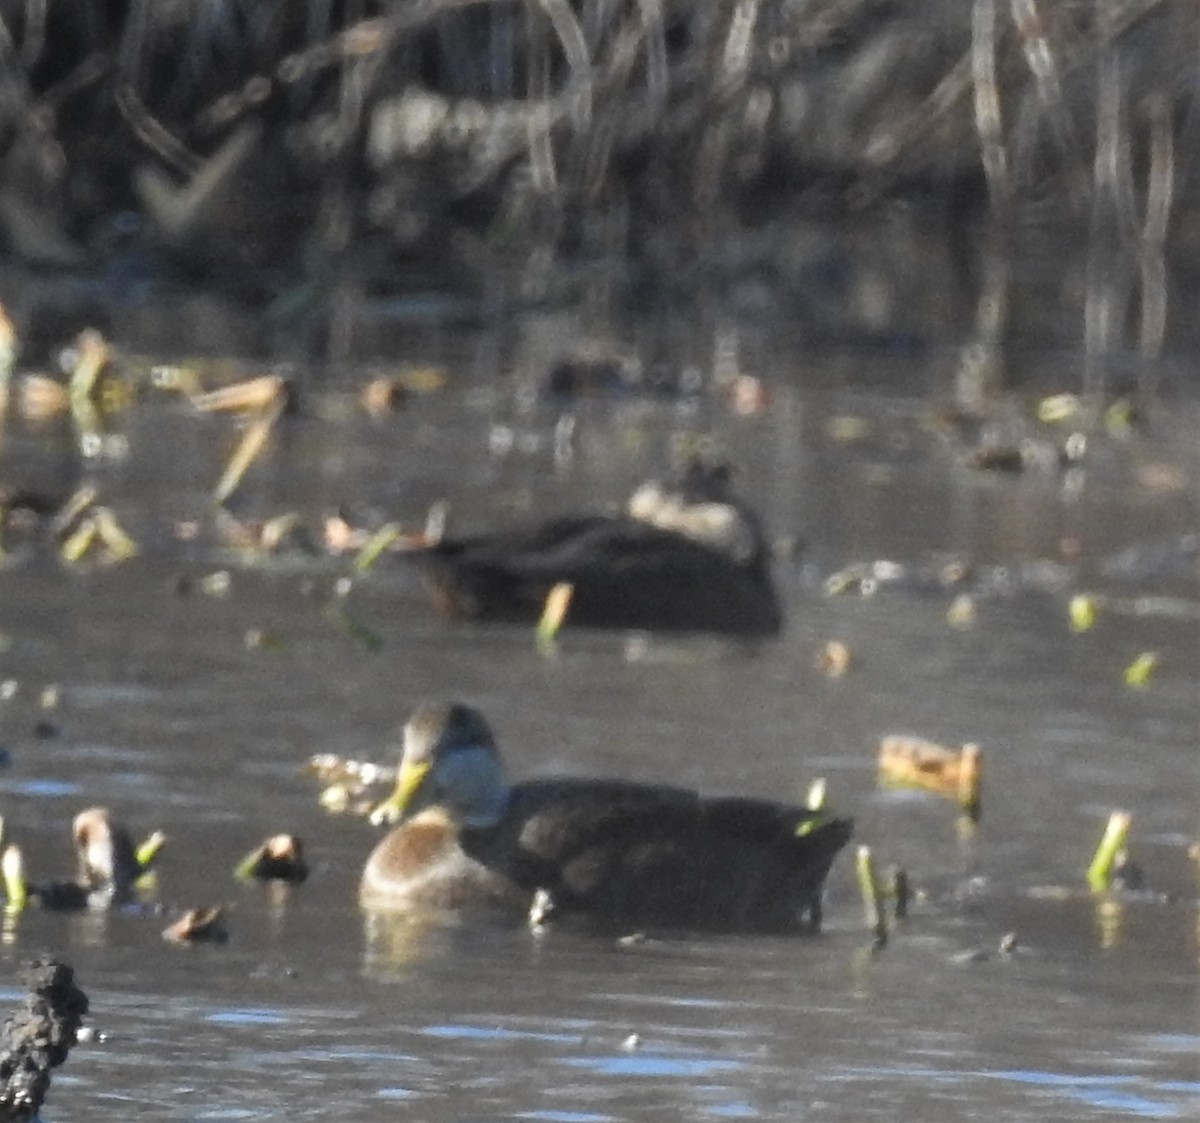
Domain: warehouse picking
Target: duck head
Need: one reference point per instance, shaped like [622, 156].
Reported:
[450, 760]
[699, 503]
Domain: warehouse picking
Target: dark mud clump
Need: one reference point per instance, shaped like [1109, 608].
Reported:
[38, 1037]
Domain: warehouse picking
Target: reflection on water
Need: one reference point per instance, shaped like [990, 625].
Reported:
[317, 1009]
[1133, 1095]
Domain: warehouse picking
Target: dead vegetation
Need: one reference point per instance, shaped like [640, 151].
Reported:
[494, 134]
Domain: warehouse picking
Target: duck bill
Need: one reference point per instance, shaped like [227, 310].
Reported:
[405, 800]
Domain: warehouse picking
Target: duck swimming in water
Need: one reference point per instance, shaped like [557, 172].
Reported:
[685, 555]
[619, 853]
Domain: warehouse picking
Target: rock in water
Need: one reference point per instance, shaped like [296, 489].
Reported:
[37, 1038]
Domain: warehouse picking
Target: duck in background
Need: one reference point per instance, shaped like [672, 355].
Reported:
[686, 555]
[616, 852]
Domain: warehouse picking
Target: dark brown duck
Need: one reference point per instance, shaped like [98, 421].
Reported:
[686, 555]
[620, 853]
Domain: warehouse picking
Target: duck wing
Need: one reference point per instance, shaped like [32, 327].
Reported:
[632, 853]
[624, 574]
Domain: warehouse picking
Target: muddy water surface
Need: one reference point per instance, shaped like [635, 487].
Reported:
[314, 1009]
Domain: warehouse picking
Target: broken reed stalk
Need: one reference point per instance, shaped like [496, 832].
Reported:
[264, 399]
[85, 381]
[119, 545]
[558, 602]
[1116, 833]
[374, 547]
[148, 851]
[868, 885]
[12, 866]
[71, 512]
[252, 443]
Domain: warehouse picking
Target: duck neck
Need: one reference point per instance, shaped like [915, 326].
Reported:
[480, 792]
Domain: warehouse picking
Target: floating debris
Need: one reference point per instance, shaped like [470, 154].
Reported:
[1058, 408]
[913, 762]
[1029, 454]
[199, 925]
[176, 378]
[41, 398]
[962, 612]
[286, 532]
[833, 659]
[218, 584]
[1082, 612]
[865, 578]
[1007, 946]
[847, 429]
[383, 395]
[541, 909]
[329, 768]
[338, 535]
[259, 639]
[747, 395]
[352, 786]
[258, 540]
[423, 379]
[1138, 673]
[279, 858]
[85, 529]
[1123, 416]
